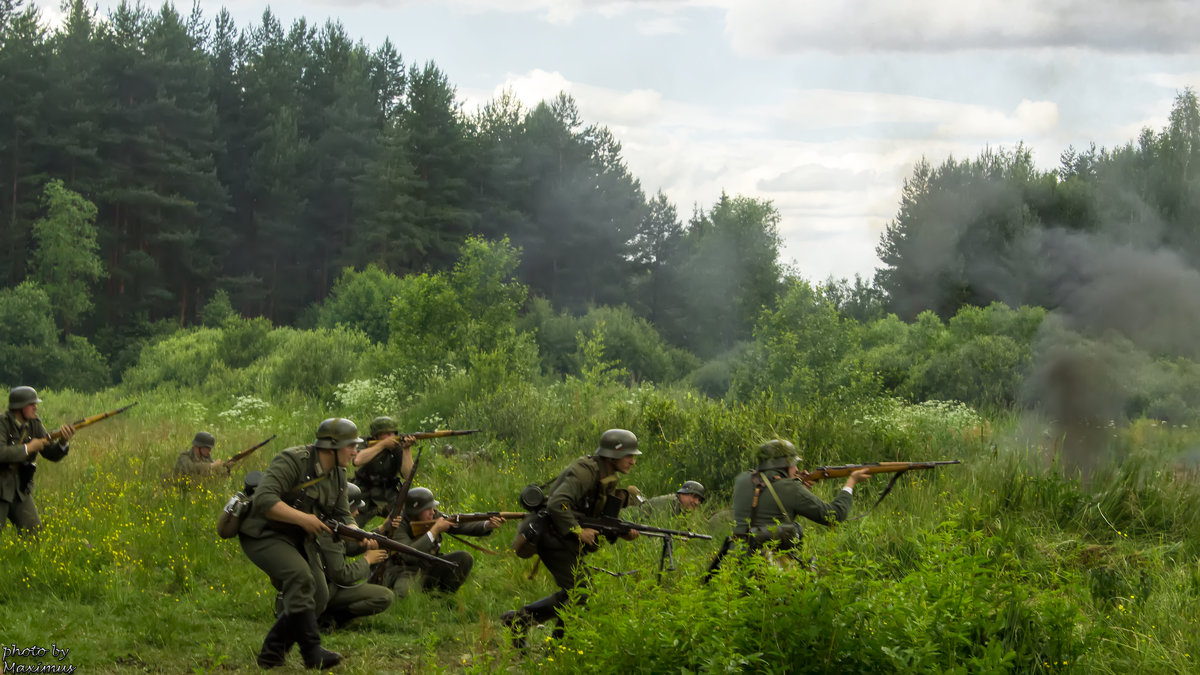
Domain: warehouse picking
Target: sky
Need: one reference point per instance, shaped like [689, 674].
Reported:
[821, 107]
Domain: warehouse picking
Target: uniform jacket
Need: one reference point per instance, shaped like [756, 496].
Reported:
[796, 499]
[292, 467]
[189, 465]
[12, 454]
[584, 486]
[664, 506]
[433, 545]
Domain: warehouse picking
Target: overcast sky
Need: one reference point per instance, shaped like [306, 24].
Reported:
[821, 107]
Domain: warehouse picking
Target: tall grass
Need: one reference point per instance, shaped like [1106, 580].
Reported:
[996, 565]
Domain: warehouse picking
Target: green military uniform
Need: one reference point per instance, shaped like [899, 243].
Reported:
[775, 520]
[379, 478]
[586, 486]
[407, 572]
[17, 468]
[286, 554]
[293, 560]
[663, 506]
[189, 465]
[350, 596]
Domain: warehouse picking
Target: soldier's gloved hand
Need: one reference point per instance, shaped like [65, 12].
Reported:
[313, 525]
[375, 556]
[588, 536]
[631, 535]
[67, 432]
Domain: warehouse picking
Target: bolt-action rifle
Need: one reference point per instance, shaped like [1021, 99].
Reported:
[388, 528]
[420, 527]
[826, 472]
[88, 421]
[353, 533]
[246, 453]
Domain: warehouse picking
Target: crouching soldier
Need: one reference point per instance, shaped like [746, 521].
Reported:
[405, 573]
[197, 462]
[281, 534]
[350, 596]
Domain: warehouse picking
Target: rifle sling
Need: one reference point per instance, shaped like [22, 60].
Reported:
[891, 484]
[477, 547]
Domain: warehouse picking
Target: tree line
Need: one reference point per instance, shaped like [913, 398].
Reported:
[262, 161]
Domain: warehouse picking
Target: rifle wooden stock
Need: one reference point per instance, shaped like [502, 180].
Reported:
[246, 453]
[352, 533]
[442, 433]
[88, 421]
[615, 526]
[827, 472]
[420, 527]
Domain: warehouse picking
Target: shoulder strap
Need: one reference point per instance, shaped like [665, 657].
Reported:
[775, 496]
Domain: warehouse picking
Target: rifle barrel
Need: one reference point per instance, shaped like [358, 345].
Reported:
[88, 421]
[826, 472]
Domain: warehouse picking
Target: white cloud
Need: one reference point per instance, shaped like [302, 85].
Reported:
[1176, 81]
[772, 27]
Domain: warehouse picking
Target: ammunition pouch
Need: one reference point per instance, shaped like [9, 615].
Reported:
[786, 535]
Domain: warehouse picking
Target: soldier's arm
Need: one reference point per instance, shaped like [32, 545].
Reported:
[338, 568]
[372, 451]
[804, 503]
[281, 475]
[13, 453]
[566, 497]
[422, 542]
[478, 528]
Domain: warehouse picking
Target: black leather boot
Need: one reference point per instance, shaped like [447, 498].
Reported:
[315, 656]
[278, 642]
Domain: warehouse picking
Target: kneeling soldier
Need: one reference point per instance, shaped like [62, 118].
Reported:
[384, 461]
[350, 596]
[406, 573]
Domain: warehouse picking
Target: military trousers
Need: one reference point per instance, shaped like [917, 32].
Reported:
[443, 578]
[22, 512]
[359, 600]
[294, 566]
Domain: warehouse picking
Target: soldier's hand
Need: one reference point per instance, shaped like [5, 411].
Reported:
[371, 545]
[494, 522]
[313, 525]
[631, 535]
[36, 445]
[375, 556]
[588, 536]
[441, 525]
[218, 463]
[396, 521]
[858, 477]
[67, 432]
[803, 476]
[406, 441]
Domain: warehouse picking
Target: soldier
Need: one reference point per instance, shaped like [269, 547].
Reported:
[380, 463]
[350, 596]
[586, 486]
[687, 498]
[281, 535]
[406, 573]
[198, 462]
[767, 500]
[24, 438]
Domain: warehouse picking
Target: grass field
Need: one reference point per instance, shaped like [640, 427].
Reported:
[996, 565]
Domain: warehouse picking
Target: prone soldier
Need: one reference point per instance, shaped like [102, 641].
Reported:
[687, 498]
[25, 437]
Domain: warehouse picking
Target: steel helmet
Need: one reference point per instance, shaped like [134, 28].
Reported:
[19, 397]
[336, 433]
[418, 500]
[691, 487]
[382, 425]
[204, 439]
[618, 443]
[777, 454]
[354, 496]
